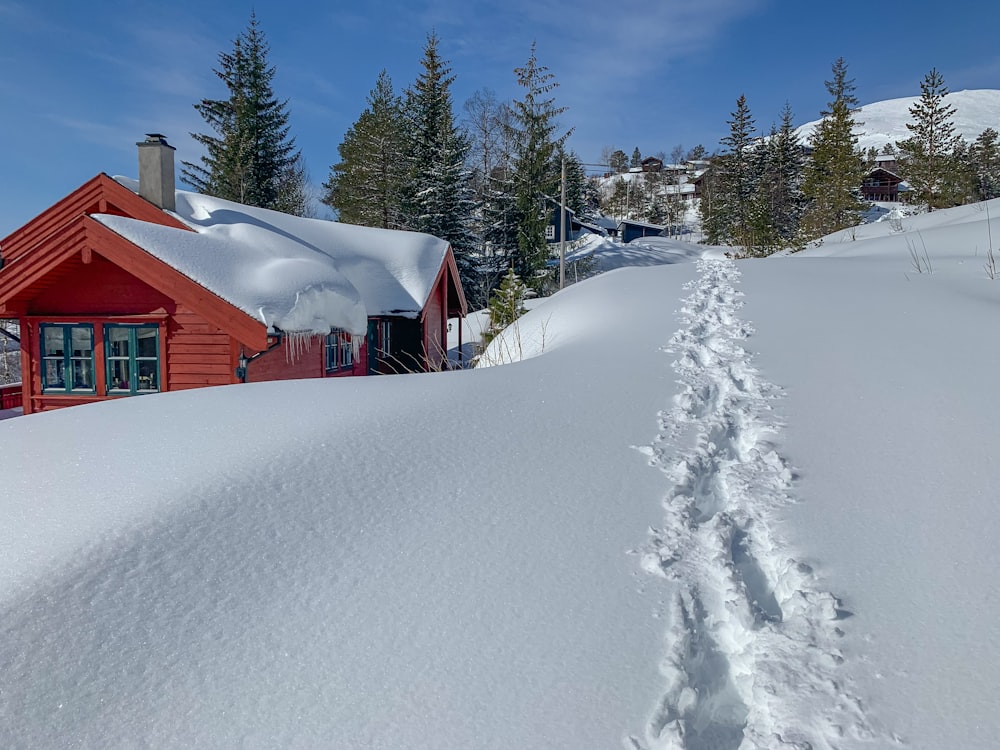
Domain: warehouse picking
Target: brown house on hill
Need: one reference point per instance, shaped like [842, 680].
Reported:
[881, 185]
[125, 288]
[652, 164]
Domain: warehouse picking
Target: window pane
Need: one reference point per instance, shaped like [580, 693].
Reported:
[337, 357]
[116, 340]
[82, 340]
[118, 375]
[83, 374]
[53, 341]
[54, 374]
[148, 375]
[346, 351]
[146, 342]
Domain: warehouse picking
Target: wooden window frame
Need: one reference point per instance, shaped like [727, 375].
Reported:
[338, 351]
[67, 359]
[133, 359]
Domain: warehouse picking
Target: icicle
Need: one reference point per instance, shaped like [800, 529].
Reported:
[296, 344]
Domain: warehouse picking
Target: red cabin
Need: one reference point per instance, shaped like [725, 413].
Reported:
[125, 288]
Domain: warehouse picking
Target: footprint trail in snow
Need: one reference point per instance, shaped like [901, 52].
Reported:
[752, 647]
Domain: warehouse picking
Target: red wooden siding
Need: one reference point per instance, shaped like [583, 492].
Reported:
[286, 362]
[198, 353]
[435, 320]
[282, 362]
[10, 396]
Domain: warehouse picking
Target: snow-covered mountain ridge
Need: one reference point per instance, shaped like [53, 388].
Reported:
[884, 122]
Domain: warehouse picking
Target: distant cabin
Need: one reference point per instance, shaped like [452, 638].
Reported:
[124, 288]
[629, 229]
[652, 164]
[575, 226]
[881, 185]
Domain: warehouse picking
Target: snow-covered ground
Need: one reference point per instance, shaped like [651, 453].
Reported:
[717, 505]
[884, 122]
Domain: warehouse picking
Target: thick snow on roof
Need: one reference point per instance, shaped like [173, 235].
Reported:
[295, 273]
[718, 504]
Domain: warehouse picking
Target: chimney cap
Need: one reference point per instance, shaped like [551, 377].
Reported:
[156, 138]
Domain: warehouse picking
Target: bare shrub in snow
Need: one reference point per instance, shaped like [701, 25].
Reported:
[919, 259]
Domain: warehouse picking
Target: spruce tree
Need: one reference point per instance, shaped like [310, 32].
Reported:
[636, 161]
[251, 159]
[984, 158]
[438, 194]
[533, 171]
[727, 215]
[576, 180]
[781, 184]
[835, 170]
[926, 158]
[506, 305]
[366, 186]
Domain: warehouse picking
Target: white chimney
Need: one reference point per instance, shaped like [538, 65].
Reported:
[156, 171]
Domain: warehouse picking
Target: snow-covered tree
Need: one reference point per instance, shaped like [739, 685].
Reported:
[250, 158]
[779, 191]
[437, 194]
[927, 157]
[506, 305]
[833, 173]
[636, 161]
[727, 214]
[366, 186]
[984, 159]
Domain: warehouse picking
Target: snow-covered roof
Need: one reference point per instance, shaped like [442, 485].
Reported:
[635, 223]
[289, 272]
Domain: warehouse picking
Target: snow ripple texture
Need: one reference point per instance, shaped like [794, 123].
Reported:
[752, 647]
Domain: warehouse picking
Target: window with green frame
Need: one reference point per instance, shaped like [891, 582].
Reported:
[132, 354]
[339, 351]
[67, 358]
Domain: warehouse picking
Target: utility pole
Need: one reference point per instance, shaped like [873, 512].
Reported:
[562, 228]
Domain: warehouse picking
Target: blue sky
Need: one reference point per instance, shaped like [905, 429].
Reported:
[80, 83]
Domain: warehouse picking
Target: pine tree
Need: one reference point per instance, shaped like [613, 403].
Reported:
[780, 186]
[366, 186]
[834, 172]
[576, 180]
[727, 215]
[251, 159]
[533, 173]
[984, 158]
[636, 161]
[618, 162]
[506, 305]
[438, 195]
[926, 157]
[697, 153]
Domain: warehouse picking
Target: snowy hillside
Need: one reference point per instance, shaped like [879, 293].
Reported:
[885, 122]
[718, 505]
